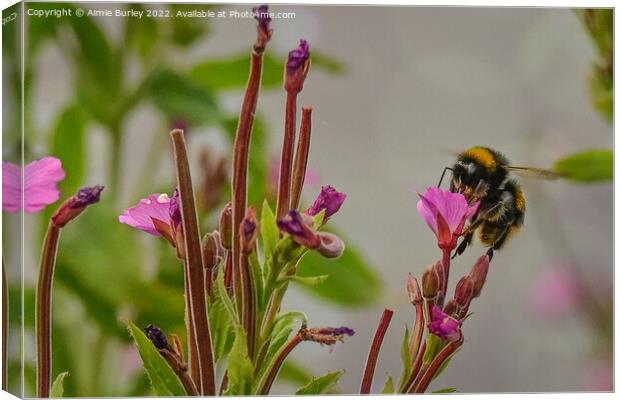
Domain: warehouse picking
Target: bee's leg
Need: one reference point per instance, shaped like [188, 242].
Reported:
[464, 243]
[501, 238]
[442, 175]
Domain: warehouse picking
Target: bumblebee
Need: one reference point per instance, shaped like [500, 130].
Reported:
[482, 174]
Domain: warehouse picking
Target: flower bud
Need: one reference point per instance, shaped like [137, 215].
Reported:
[297, 67]
[331, 245]
[175, 210]
[249, 231]
[430, 283]
[413, 288]
[75, 205]
[478, 274]
[158, 337]
[212, 250]
[464, 291]
[329, 200]
[226, 226]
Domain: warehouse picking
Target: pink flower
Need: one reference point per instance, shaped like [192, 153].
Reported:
[556, 292]
[445, 213]
[41, 179]
[444, 326]
[142, 215]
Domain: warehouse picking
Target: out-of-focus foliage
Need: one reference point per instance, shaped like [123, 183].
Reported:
[600, 26]
[118, 272]
[587, 166]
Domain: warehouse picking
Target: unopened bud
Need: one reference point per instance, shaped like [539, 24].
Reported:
[226, 226]
[75, 205]
[413, 288]
[430, 283]
[212, 250]
[297, 67]
[478, 274]
[249, 231]
[464, 291]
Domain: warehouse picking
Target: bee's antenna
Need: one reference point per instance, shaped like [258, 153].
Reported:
[442, 175]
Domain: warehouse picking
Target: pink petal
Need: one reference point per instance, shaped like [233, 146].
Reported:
[11, 187]
[141, 215]
[428, 211]
[41, 179]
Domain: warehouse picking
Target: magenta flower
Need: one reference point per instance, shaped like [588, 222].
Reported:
[556, 292]
[262, 16]
[142, 216]
[444, 326]
[297, 57]
[293, 223]
[329, 200]
[445, 213]
[41, 179]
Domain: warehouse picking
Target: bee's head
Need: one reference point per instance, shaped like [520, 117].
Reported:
[466, 177]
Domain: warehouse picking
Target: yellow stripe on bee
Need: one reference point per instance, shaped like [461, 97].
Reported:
[483, 155]
[520, 200]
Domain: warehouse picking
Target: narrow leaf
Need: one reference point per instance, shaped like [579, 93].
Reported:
[389, 386]
[163, 379]
[57, 386]
[320, 385]
[446, 390]
[240, 369]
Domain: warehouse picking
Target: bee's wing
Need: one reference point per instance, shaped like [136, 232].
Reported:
[533, 172]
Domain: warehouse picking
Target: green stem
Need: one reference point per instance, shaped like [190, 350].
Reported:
[44, 311]
[194, 266]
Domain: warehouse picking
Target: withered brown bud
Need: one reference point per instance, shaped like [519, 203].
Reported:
[226, 226]
[451, 308]
[430, 283]
[413, 288]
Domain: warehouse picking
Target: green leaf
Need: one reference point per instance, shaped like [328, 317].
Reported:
[309, 280]
[446, 390]
[389, 386]
[221, 329]
[163, 379]
[184, 30]
[269, 230]
[405, 356]
[69, 145]
[351, 281]
[433, 346]
[329, 64]
[587, 166]
[295, 372]
[602, 91]
[282, 329]
[232, 73]
[179, 98]
[240, 371]
[142, 33]
[222, 295]
[320, 385]
[57, 386]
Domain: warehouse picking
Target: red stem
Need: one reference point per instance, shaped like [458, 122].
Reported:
[44, 311]
[273, 372]
[445, 264]
[249, 303]
[415, 370]
[241, 154]
[194, 266]
[194, 364]
[286, 158]
[373, 355]
[301, 156]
